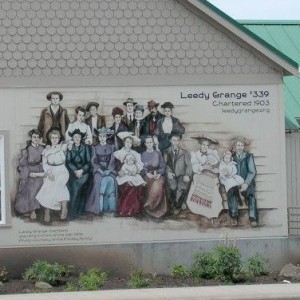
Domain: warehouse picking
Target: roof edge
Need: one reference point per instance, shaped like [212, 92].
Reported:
[252, 35]
[269, 22]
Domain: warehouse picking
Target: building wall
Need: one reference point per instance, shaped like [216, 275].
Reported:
[198, 116]
[104, 41]
[108, 51]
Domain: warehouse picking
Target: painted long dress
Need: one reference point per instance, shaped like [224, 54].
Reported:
[78, 158]
[130, 196]
[155, 203]
[30, 162]
[204, 197]
[54, 191]
[103, 197]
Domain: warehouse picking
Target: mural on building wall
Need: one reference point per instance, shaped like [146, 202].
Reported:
[134, 166]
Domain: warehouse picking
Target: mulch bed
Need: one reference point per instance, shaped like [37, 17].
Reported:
[19, 286]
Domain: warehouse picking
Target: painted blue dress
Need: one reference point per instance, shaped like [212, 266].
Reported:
[103, 197]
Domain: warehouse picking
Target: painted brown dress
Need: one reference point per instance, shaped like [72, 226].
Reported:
[155, 201]
[30, 161]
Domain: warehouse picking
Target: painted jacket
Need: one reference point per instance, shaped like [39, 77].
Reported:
[79, 158]
[151, 123]
[246, 168]
[179, 165]
[46, 121]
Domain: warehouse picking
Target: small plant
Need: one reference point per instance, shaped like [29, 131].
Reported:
[3, 274]
[179, 271]
[47, 272]
[94, 279]
[71, 287]
[203, 266]
[138, 280]
[256, 266]
[227, 262]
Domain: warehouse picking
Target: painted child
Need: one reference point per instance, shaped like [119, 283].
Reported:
[131, 172]
[227, 171]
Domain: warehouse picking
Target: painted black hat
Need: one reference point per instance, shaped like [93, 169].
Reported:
[60, 95]
[167, 105]
[90, 104]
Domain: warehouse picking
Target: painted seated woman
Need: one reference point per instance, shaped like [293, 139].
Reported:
[103, 197]
[78, 162]
[130, 196]
[155, 203]
[204, 197]
[54, 194]
[31, 176]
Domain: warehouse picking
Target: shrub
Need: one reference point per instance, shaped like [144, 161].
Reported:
[71, 287]
[256, 266]
[94, 279]
[203, 265]
[138, 280]
[227, 262]
[3, 274]
[222, 263]
[47, 272]
[179, 271]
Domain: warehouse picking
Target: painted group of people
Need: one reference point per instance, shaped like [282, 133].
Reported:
[134, 166]
[236, 172]
[84, 166]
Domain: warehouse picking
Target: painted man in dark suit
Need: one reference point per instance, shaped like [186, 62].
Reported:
[53, 116]
[152, 118]
[179, 173]
[128, 117]
[94, 120]
[247, 170]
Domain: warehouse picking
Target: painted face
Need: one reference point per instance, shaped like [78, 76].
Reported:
[152, 110]
[138, 114]
[227, 157]
[93, 111]
[129, 108]
[35, 139]
[55, 100]
[204, 146]
[80, 116]
[175, 141]
[118, 119]
[168, 112]
[239, 147]
[149, 144]
[77, 138]
[102, 138]
[128, 143]
[54, 139]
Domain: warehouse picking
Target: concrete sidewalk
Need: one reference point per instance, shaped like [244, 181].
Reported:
[237, 292]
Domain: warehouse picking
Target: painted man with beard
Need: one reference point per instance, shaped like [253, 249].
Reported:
[246, 168]
[152, 118]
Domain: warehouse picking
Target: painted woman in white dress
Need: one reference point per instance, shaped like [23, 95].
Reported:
[54, 194]
[80, 124]
[204, 197]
